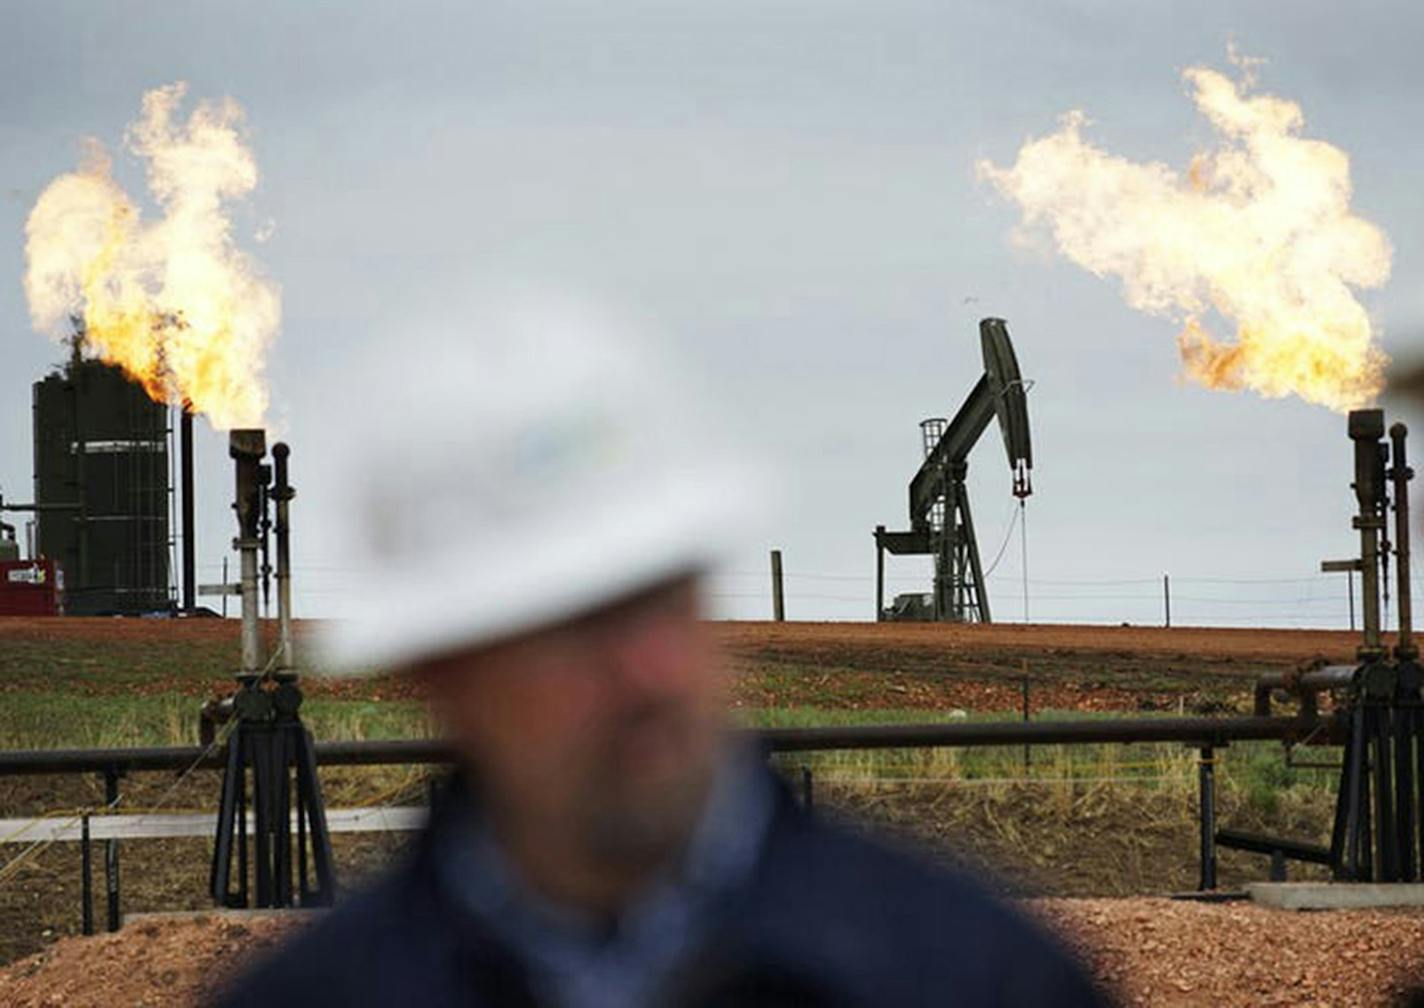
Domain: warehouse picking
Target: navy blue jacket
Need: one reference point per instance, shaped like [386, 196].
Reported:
[829, 918]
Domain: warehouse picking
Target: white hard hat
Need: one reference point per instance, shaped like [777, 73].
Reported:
[514, 473]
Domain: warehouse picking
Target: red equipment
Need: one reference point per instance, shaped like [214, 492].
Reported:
[30, 588]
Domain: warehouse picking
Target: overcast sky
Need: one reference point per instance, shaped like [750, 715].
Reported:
[786, 192]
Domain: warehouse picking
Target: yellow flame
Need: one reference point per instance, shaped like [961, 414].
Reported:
[172, 301]
[1258, 229]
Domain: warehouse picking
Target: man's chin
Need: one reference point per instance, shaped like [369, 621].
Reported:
[647, 821]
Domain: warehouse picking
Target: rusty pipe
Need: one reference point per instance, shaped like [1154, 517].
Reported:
[246, 447]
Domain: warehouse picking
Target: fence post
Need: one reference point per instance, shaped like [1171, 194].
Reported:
[86, 877]
[111, 851]
[1207, 771]
[778, 598]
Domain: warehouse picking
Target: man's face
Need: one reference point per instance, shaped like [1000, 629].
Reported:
[605, 729]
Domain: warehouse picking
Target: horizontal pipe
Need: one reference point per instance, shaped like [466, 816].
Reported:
[1256, 843]
[1198, 731]
[1314, 680]
[1304, 685]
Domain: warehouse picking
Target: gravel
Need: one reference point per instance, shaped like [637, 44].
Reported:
[1147, 951]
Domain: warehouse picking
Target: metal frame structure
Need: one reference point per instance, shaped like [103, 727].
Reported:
[270, 751]
[941, 524]
[1206, 733]
[1378, 833]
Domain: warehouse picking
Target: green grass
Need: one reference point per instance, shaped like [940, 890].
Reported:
[53, 720]
[32, 719]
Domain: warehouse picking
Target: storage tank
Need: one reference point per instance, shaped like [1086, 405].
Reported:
[101, 489]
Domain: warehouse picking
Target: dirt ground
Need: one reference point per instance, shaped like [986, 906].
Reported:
[1144, 951]
[1226, 643]
[844, 665]
[978, 667]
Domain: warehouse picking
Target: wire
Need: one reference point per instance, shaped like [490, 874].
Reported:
[1013, 520]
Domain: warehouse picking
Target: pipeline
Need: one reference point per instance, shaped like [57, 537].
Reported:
[1201, 731]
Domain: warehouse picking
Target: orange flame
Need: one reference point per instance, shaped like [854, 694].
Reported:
[172, 301]
[1259, 229]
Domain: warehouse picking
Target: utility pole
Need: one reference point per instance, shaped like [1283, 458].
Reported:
[1166, 600]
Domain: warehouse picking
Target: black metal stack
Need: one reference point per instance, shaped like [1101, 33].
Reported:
[101, 489]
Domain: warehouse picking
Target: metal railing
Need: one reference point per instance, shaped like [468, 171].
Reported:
[1198, 731]
[1204, 733]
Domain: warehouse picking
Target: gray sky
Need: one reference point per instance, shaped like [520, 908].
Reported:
[786, 191]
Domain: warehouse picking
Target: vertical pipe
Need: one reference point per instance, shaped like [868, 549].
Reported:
[879, 574]
[1166, 600]
[86, 877]
[283, 493]
[1207, 773]
[246, 447]
[111, 852]
[185, 462]
[1350, 595]
[1366, 428]
[778, 599]
[251, 659]
[1401, 474]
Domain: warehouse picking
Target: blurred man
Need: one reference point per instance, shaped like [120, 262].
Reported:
[535, 517]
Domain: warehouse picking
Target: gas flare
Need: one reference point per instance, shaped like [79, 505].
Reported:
[1258, 229]
[172, 300]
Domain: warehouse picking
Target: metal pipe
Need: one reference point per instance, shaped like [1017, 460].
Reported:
[1303, 685]
[1206, 765]
[879, 574]
[251, 654]
[283, 493]
[1366, 429]
[111, 851]
[246, 447]
[1401, 474]
[185, 476]
[86, 878]
[1199, 730]
[1316, 680]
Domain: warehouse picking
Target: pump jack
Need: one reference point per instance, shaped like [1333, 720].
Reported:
[940, 523]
